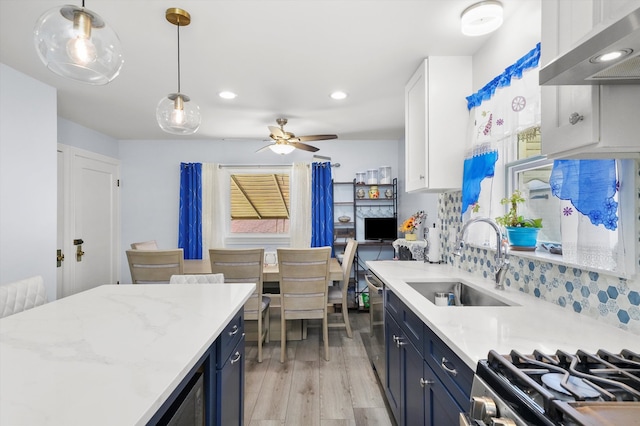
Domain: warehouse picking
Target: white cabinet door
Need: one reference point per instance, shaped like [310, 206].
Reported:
[563, 24]
[415, 129]
[436, 123]
[585, 121]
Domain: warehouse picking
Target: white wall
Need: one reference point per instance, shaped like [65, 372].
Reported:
[73, 134]
[515, 38]
[27, 179]
[150, 176]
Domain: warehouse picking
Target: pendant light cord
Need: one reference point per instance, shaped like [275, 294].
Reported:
[178, 25]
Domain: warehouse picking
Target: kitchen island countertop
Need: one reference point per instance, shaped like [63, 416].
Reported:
[111, 355]
[472, 332]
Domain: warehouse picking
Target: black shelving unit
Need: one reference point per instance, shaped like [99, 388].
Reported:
[357, 206]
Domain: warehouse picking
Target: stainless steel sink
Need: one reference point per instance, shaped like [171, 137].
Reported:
[465, 295]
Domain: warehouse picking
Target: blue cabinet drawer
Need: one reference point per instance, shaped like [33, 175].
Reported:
[229, 338]
[452, 371]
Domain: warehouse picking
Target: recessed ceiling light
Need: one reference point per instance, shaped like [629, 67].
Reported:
[227, 95]
[338, 95]
[610, 56]
[481, 18]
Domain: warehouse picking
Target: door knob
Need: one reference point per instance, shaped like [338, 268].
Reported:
[59, 258]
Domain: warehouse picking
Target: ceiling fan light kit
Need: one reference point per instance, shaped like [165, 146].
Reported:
[76, 43]
[282, 148]
[286, 142]
[481, 18]
[176, 113]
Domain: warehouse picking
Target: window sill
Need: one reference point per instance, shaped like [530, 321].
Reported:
[544, 256]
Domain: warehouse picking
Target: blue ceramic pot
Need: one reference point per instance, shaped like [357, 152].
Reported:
[522, 237]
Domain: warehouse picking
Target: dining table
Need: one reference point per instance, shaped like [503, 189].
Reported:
[270, 272]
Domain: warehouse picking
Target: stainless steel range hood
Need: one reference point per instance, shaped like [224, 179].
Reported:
[582, 65]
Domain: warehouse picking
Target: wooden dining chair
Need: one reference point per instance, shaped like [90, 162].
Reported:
[245, 266]
[155, 266]
[304, 279]
[145, 245]
[337, 294]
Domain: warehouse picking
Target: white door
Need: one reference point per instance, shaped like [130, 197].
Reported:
[92, 237]
[60, 270]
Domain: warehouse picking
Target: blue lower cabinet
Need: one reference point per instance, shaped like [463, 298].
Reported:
[393, 371]
[440, 407]
[417, 394]
[414, 406]
[230, 388]
[213, 391]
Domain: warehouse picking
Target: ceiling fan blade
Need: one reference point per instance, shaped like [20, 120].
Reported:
[316, 138]
[276, 131]
[304, 146]
[264, 148]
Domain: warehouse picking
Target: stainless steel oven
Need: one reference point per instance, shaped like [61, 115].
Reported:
[568, 389]
[374, 342]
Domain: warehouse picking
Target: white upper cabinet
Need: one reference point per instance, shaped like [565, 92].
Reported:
[586, 121]
[436, 123]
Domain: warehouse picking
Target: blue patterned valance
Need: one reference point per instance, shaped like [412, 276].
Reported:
[528, 61]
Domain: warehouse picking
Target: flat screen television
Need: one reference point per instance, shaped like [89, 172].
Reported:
[380, 228]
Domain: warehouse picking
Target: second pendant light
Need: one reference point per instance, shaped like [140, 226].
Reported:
[176, 113]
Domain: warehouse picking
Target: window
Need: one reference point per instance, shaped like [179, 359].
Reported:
[259, 203]
[583, 244]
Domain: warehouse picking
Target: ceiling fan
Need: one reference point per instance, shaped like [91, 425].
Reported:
[286, 142]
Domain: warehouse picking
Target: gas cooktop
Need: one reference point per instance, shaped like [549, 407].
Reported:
[567, 389]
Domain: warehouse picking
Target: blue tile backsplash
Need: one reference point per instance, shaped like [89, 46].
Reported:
[607, 298]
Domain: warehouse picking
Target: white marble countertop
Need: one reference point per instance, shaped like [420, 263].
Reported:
[108, 356]
[471, 332]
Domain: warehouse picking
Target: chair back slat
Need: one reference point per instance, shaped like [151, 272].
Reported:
[241, 266]
[304, 277]
[145, 245]
[155, 266]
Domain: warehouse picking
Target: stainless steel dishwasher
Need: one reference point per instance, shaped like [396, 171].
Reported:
[374, 342]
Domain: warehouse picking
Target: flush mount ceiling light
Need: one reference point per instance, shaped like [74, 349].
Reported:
[76, 43]
[176, 113]
[481, 18]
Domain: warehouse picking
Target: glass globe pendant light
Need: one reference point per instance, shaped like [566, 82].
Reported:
[175, 112]
[76, 43]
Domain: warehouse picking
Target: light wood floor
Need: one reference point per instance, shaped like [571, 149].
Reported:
[307, 390]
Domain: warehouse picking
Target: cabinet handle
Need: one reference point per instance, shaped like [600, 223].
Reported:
[424, 382]
[575, 118]
[451, 371]
[235, 330]
[421, 177]
[237, 358]
[396, 338]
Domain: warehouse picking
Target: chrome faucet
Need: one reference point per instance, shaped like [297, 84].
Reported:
[502, 263]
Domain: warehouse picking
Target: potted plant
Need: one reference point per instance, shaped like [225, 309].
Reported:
[522, 233]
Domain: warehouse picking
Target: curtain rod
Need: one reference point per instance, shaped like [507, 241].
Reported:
[254, 166]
